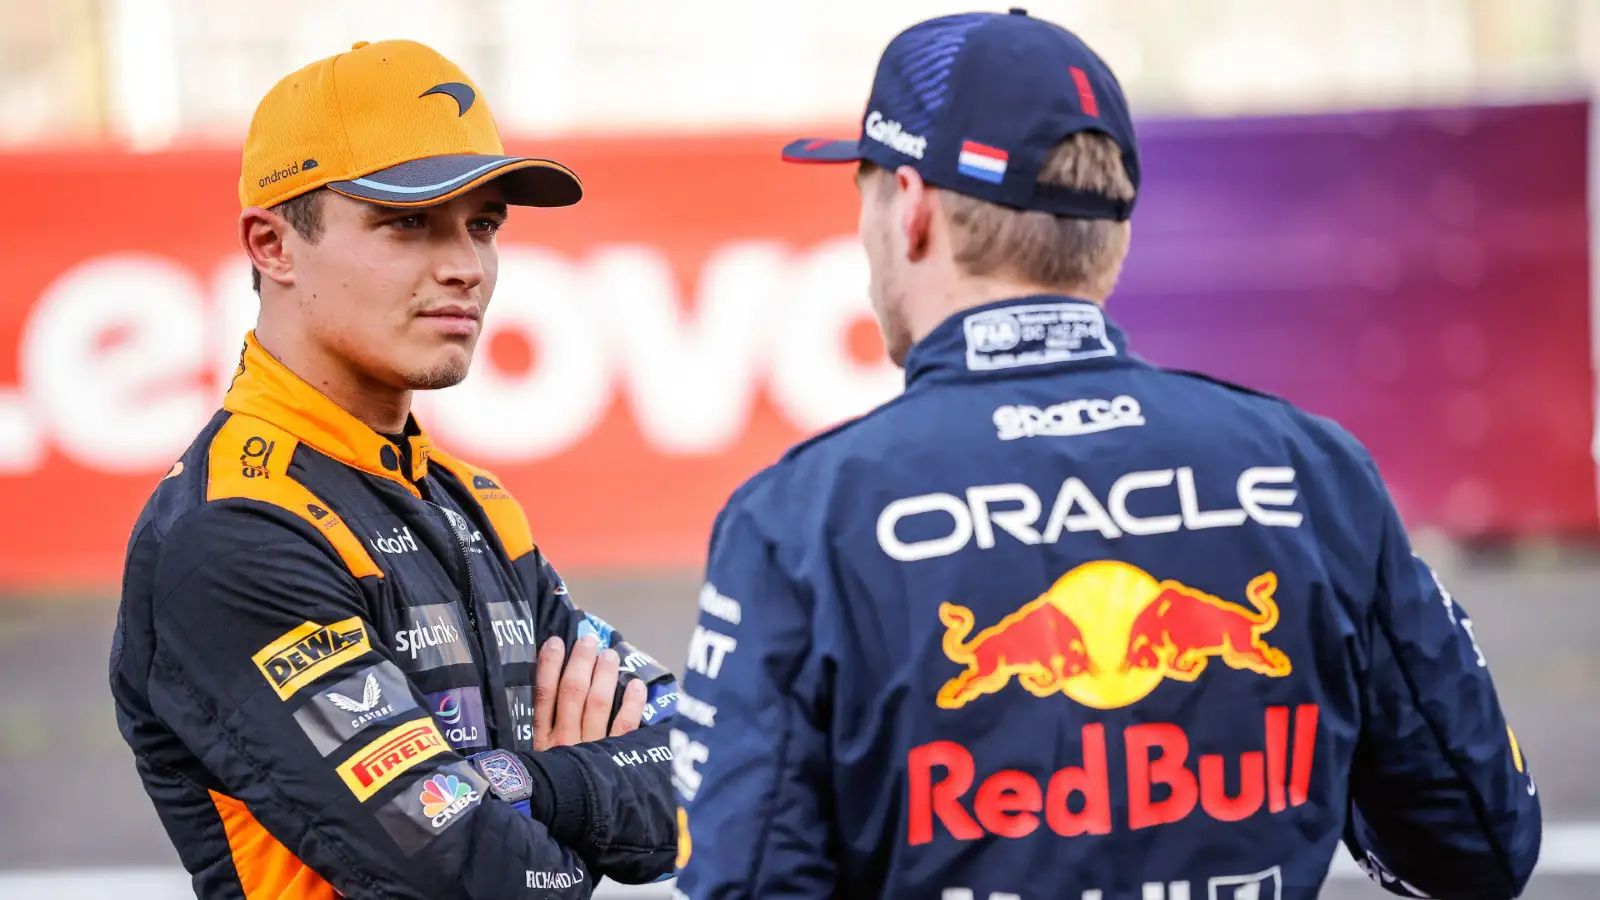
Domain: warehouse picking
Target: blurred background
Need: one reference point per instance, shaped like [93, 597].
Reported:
[1380, 209]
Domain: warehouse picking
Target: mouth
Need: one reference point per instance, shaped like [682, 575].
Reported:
[454, 311]
[461, 319]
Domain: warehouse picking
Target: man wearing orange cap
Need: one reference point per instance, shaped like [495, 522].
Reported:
[342, 665]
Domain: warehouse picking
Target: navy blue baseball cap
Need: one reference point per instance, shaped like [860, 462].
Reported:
[975, 103]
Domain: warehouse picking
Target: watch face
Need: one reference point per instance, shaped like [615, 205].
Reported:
[507, 776]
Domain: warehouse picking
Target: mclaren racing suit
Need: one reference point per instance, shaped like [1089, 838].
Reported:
[318, 627]
[1056, 623]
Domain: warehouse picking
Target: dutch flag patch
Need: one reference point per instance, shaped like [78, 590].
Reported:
[982, 162]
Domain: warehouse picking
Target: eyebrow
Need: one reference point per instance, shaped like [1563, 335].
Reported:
[498, 207]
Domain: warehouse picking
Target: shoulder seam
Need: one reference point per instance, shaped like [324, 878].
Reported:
[1220, 382]
[844, 426]
[263, 479]
[157, 601]
[507, 518]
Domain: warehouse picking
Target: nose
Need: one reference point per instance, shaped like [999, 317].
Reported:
[459, 259]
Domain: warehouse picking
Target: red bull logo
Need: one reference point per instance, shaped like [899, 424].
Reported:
[1157, 782]
[1108, 633]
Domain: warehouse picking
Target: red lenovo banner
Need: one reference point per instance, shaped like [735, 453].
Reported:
[1422, 278]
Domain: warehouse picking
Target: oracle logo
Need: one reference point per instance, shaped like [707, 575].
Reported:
[123, 357]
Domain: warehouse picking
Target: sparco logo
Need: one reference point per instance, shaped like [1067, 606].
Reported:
[402, 542]
[1067, 419]
[890, 133]
[434, 634]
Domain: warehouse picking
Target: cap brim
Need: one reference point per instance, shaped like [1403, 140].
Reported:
[822, 150]
[435, 179]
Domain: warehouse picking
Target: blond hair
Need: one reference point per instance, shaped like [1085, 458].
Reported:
[1072, 255]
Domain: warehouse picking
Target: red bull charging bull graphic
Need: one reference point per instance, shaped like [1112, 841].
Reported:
[1105, 635]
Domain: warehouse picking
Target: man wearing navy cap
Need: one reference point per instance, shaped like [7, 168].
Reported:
[1056, 622]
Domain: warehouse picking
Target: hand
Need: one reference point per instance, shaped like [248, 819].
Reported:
[575, 706]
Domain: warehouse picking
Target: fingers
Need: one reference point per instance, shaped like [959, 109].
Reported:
[546, 680]
[632, 711]
[573, 692]
[602, 691]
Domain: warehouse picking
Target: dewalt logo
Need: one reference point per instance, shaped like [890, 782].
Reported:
[308, 652]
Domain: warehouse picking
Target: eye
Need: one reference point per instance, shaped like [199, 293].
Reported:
[411, 222]
[486, 225]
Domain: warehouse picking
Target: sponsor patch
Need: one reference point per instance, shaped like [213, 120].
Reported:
[640, 663]
[598, 627]
[892, 134]
[379, 763]
[459, 712]
[519, 700]
[714, 603]
[1017, 336]
[513, 626]
[554, 881]
[429, 805]
[1073, 417]
[662, 702]
[431, 637]
[373, 695]
[488, 488]
[309, 651]
[506, 774]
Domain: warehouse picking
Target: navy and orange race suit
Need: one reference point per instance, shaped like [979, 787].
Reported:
[1057, 623]
[318, 627]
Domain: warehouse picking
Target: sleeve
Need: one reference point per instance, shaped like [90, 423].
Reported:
[1442, 802]
[750, 751]
[267, 668]
[612, 798]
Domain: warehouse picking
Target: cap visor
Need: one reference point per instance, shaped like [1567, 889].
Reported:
[821, 150]
[435, 179]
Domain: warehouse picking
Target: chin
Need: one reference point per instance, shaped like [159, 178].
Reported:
[447, 371]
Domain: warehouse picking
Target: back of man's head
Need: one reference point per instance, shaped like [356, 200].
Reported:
[1060, 254]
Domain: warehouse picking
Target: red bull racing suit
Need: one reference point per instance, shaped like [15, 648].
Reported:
[324, 637]
[1057, 623]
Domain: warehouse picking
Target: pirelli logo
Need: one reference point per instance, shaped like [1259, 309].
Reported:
[382, 761]
[308, 652]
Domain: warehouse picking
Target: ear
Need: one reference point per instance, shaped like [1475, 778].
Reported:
[916, 211]
[262, 233]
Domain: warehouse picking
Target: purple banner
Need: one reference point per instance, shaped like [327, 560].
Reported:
[1420, 276]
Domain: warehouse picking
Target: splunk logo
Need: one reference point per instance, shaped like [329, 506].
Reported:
[432, 639]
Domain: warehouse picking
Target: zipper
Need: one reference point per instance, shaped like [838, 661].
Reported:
[480, 657]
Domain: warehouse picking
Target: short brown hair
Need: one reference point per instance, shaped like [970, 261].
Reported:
[304, 213]
[1057, 251]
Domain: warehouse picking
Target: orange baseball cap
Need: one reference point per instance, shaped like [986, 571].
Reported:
[393, 123]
